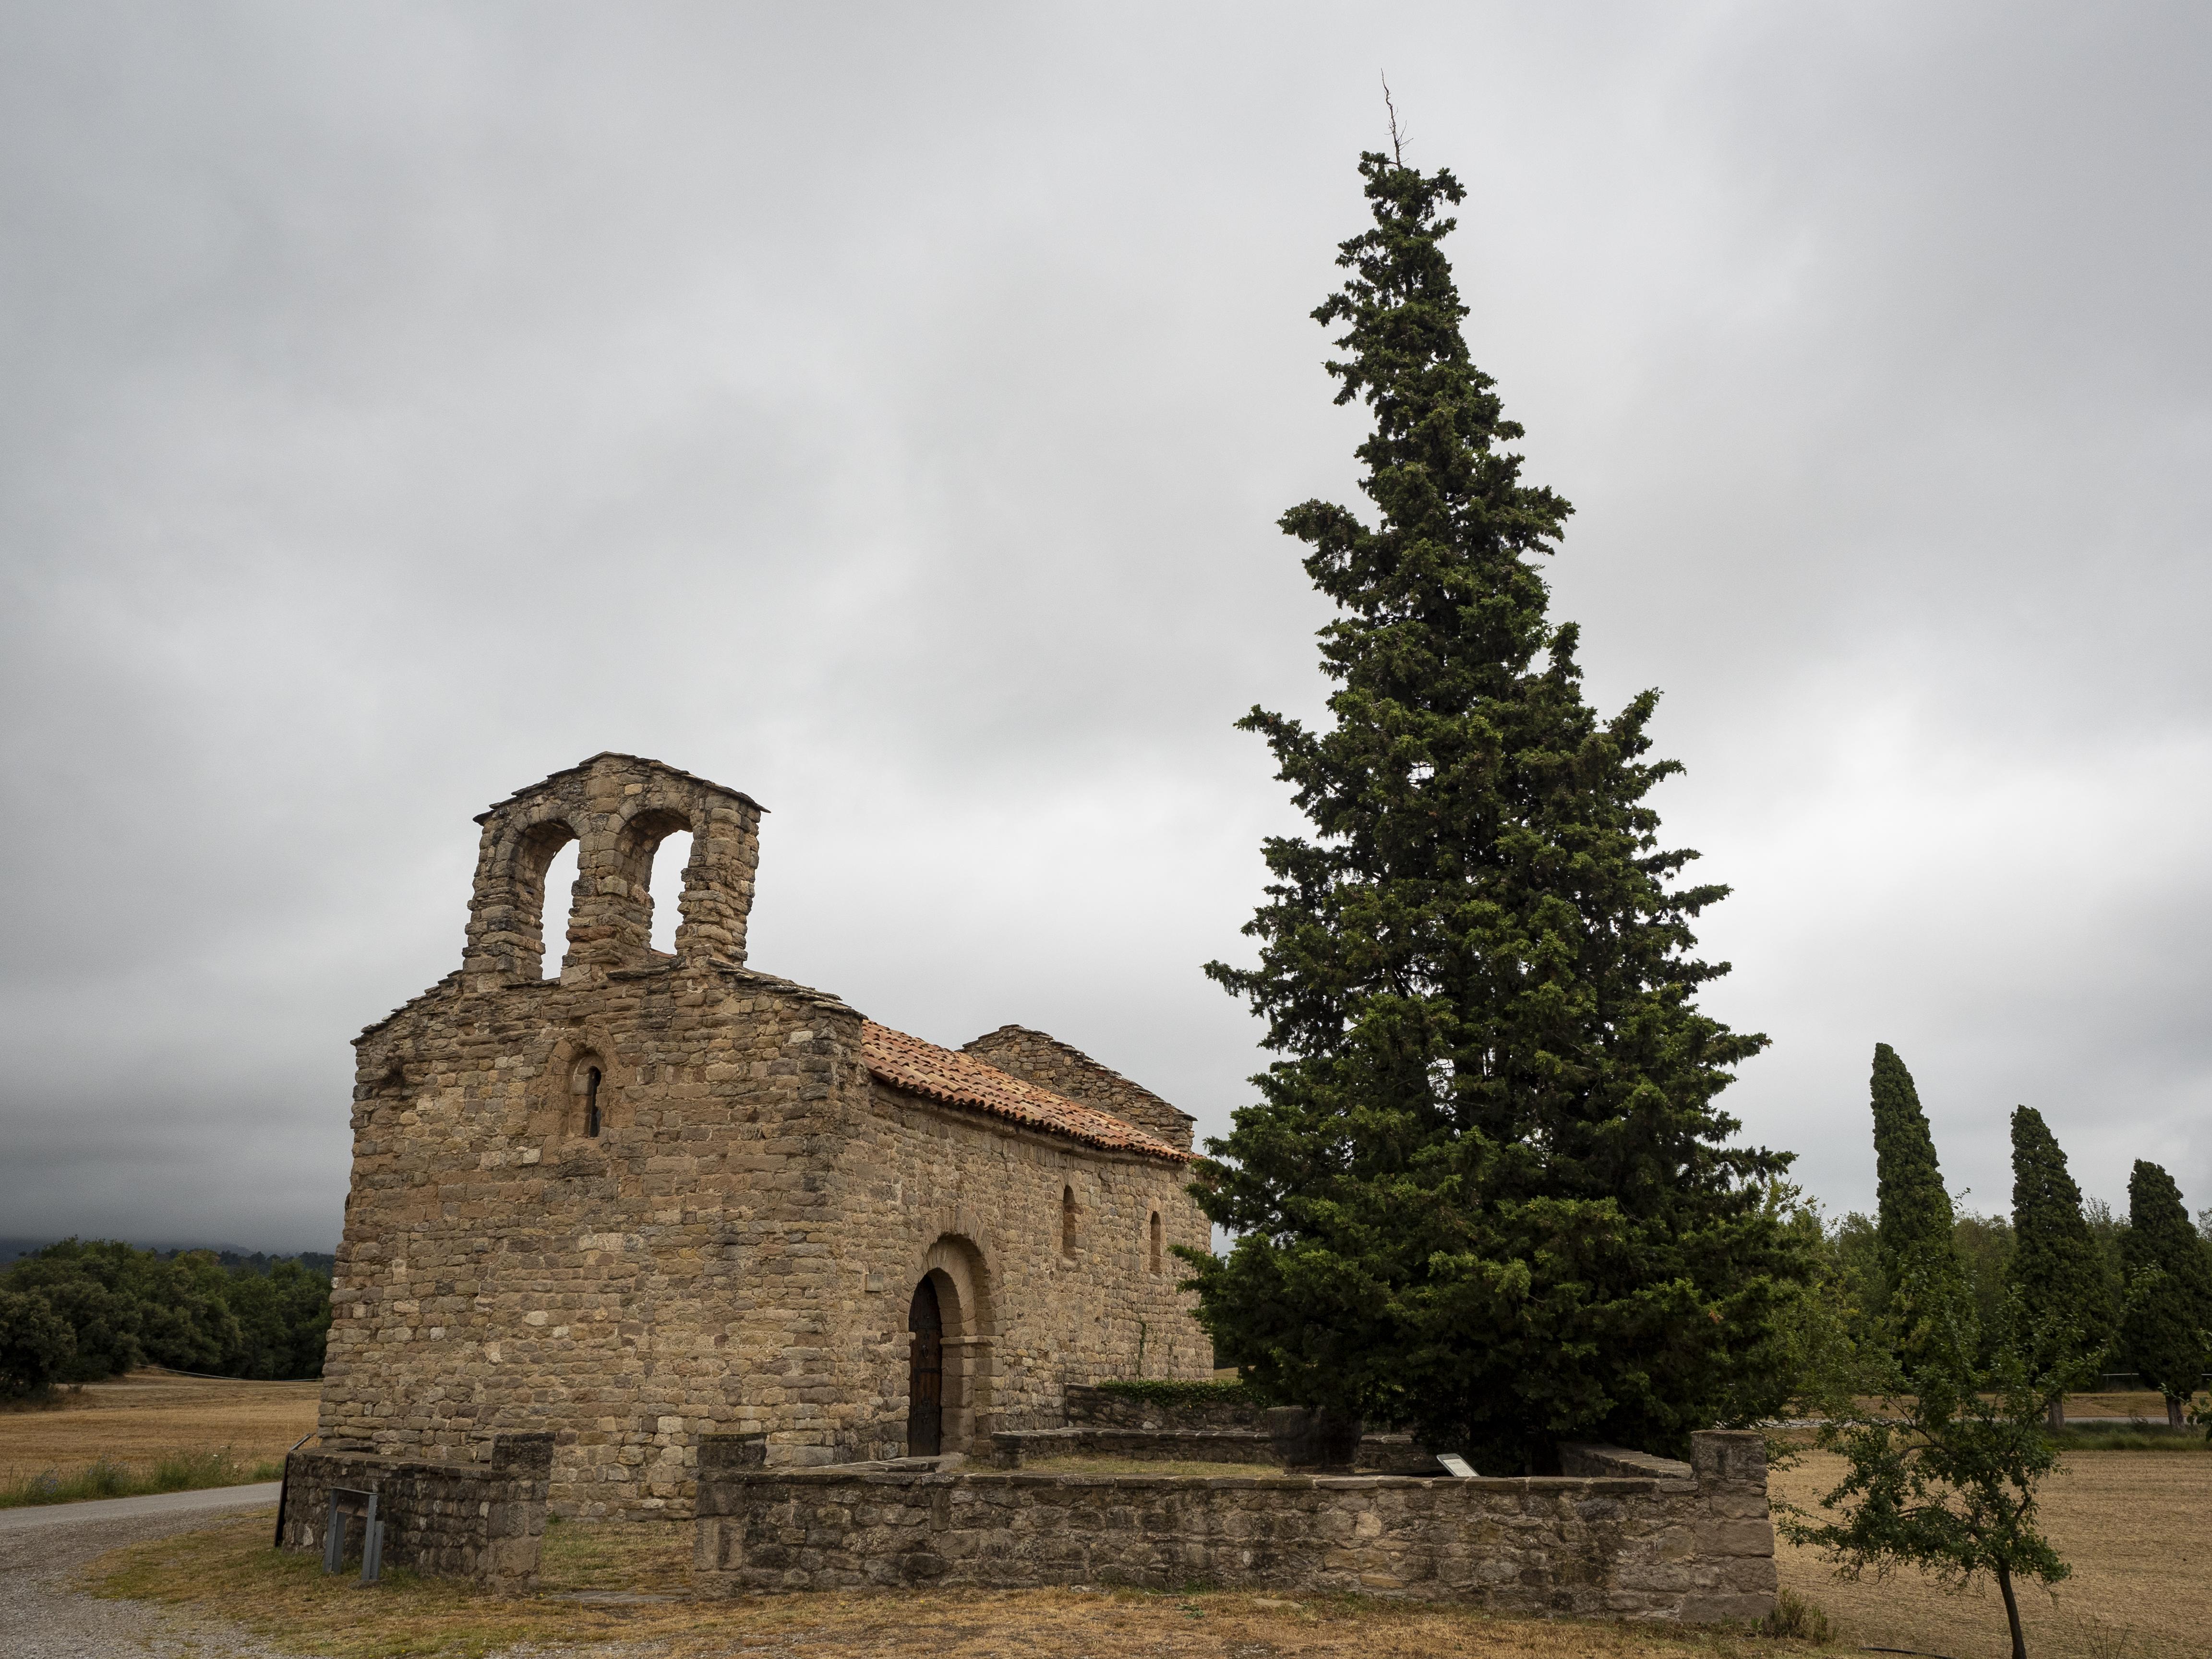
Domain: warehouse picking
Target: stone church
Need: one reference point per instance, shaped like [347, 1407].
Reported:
[648, 1197]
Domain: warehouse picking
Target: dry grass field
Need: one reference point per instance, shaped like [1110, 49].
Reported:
[134, 1419]
[2136, 1527]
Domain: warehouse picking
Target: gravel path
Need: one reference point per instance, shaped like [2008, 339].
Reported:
[132, 1509]
[42, 1549]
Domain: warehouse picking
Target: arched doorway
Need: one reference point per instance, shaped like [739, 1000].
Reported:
[925, 1396]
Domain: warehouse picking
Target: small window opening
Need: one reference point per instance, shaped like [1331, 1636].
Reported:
[1068, 1221]
[559, 900]
[1157, 1239]
[669, 859]
[592, 1106]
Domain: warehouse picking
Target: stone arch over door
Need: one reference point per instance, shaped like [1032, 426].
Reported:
[954, 1268]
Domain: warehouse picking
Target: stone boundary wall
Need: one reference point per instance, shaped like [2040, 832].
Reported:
[1698, 1549]
[484, 1522]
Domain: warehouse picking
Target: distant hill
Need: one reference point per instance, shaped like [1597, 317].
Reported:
[229, 1256]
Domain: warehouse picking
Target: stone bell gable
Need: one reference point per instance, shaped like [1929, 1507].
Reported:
[643, 1197]
[618, 809]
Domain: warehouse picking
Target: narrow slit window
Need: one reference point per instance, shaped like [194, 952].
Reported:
[1068, 1221]
[1158, 1233]
[592, 1106]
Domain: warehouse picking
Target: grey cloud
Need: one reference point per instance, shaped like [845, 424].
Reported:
[886, 413]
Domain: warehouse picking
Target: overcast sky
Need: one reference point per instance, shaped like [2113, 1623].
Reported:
[885, 411]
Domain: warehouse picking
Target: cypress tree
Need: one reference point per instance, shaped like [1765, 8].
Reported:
[2167, 1331]
[1921, 1278]
[2056, 1280]
[1485, 1191]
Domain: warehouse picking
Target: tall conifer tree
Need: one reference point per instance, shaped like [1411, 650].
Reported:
[1486, 1192]
[2166, 1334]
[1922, 1278]
[2058, 1282]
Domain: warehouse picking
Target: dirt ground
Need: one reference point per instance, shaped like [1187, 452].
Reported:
[2135, 1527]
[134, 1420]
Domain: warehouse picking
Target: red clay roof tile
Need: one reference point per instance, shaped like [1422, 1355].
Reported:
[923, 1068]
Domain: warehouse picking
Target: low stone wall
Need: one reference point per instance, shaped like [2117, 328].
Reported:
[1697, 1547]
[484, 1521]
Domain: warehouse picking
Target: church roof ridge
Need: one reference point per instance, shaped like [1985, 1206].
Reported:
[961, 1079]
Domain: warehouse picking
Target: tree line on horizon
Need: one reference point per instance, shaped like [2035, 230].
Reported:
[82, 1310]
[2057, 1247]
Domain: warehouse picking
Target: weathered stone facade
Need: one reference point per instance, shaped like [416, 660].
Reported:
[1636, 1537]
[654, 1197]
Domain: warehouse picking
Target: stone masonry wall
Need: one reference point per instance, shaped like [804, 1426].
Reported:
[734, 1252]
[1698, 1549]
[483, 1521]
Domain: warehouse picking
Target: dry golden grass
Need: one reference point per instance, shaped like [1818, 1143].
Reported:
[229, 1572]
[134, 1420]
[2136, 1527]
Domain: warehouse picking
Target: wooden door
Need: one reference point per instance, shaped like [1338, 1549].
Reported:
[925, 1400]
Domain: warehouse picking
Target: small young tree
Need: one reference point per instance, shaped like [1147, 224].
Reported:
[1942, 1470]
[2058, 1285]
[2166, 1331]
[1943, 1449]
[1485, 1191]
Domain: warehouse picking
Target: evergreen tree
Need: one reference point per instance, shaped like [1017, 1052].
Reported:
[1485, 1191]
[2058, 1285]
[2167, 1331]
[1921, 1278]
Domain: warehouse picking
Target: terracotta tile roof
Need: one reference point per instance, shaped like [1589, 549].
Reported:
[923, 1068]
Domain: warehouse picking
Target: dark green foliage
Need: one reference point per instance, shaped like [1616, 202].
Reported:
[1983, 1245]
[127, 1307]
[1914, 1221]
[2165, 1334]
[1486, 1192]
[2060, 1285]
[36, 1344]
